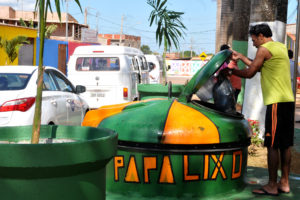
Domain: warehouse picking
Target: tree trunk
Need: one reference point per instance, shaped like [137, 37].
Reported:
[164, 61]
[240, 34]
[224, 27]
[241, 20]
[268, 10]
[38, 100]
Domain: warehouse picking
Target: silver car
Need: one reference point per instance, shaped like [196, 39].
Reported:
[61, 102]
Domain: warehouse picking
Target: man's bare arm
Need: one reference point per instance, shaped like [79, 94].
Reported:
[254, 66]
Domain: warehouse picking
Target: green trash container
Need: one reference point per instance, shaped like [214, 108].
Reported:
[71, 164]
[147, 91]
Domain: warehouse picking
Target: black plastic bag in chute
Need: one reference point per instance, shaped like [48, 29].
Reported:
[223, 95]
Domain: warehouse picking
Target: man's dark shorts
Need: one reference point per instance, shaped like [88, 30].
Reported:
[279, 125]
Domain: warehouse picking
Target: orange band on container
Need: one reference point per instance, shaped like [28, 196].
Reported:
[185, 125]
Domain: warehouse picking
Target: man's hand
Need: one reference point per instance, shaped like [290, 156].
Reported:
[236, 55]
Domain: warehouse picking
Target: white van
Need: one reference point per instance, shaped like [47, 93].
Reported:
[109, 73]
[158, 61]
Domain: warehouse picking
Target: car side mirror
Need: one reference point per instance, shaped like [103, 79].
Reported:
[80, 89]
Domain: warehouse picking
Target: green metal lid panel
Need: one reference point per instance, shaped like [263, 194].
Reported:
[163, 121]
[203, 75]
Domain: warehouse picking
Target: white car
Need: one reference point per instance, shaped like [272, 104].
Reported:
[61, 103]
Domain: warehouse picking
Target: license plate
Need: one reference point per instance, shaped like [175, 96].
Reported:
[100, 94]
[97, 94]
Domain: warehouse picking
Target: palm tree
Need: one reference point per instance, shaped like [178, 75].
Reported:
[169, 26]
[43, 6]
[241, 16]
[224, 26]
[49, 29]
[11, 47]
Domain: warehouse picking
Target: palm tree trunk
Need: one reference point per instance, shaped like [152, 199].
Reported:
[240, 34]
[38, 100]
[224, 27]
[164, 61]
[274, 13]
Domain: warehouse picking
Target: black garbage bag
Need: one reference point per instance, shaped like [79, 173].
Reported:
[223, 95]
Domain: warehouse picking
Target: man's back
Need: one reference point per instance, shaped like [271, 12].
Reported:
[275, 79]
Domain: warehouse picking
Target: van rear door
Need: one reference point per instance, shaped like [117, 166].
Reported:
[135, 76]
[103, 79]
[143, 69]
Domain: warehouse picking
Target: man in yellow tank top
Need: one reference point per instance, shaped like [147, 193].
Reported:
[273, 62]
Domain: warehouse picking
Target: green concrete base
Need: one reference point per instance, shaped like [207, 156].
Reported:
[73, 170]
[147, 91]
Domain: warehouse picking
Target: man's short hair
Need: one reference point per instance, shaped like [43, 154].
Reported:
[263, 29]
[291, 54]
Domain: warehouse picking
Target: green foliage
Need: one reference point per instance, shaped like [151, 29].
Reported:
[256, 141]
[50, 29]
[23, 23]
[169, 25]
[187, 54]
[146, 49]
[11, 47]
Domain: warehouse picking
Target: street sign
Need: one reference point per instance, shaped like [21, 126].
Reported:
[203, 55]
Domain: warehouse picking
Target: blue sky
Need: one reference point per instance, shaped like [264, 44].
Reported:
[199, 18]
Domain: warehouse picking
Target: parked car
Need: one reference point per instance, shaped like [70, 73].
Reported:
[61, 103]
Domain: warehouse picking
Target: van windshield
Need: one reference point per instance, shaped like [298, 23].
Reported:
[97, 64]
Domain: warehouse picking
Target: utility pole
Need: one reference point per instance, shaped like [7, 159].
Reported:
[122, 20]
[191, 47]
[85, 16]
[97, 19]
[296, 53]
[67, 19]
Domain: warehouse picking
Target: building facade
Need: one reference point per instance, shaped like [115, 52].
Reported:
[12, 17]
[120, 40]
[27, 52]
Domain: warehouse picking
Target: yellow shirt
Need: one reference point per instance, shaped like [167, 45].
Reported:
[275, 75]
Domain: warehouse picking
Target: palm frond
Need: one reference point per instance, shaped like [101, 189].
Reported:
[166, 20]
[22, 23]
[162, 4]
[50, 29]
[11, 47]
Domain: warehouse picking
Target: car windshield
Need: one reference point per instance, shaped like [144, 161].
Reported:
[13, 81]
